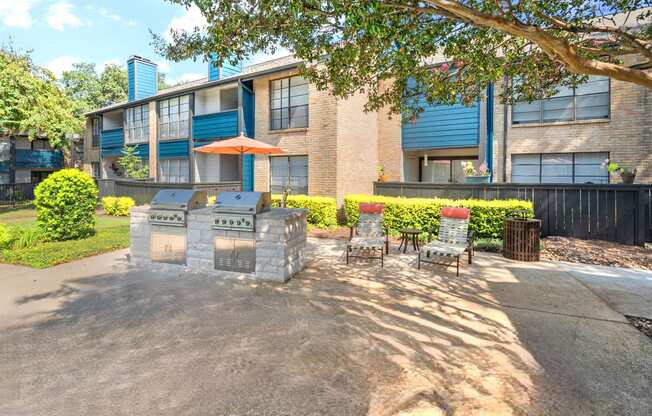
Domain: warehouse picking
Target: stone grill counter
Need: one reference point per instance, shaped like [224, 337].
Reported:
[279, 240]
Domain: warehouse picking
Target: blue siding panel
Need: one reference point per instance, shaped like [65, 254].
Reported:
[142, 151]
[213, 71]
[227, 70]
[443, 126]
[4, 166]
[38, 159]
[143, 79]
[173, 149]
[248, 112]
[217, 125]
[111, 142]
[248, 173]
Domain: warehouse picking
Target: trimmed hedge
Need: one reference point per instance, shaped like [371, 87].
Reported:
[322, 211]
[423, 213]
[65, 205]
[117, 205]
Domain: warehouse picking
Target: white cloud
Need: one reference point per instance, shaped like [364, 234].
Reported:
[185, 78]
[16, 13]
[62, 63]
[61, 14]
[263, 56]
[114, 61]
[188, 21]
[164, 66]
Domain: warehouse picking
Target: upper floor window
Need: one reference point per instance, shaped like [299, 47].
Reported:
[137, 124]
[289, 103]
[41, 144]
[174, 118]
[96, 131]
[588, 167]
[587, 101]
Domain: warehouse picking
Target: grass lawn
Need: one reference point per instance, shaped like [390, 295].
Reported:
[111, 233]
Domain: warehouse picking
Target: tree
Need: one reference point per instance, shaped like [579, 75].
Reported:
[351, 46]
[132, 164]
[90, 90]
[31, 102]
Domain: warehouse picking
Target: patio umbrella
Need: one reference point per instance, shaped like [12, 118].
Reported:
[240, 145]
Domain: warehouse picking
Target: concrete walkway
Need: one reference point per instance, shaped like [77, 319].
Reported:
[99, 337]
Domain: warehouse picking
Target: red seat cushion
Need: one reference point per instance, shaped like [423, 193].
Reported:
[365, 208]
[457, 213]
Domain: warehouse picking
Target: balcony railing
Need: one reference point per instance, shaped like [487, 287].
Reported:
[38, 159]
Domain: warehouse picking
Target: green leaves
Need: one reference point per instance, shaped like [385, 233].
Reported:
[322, 211]
[133, 165]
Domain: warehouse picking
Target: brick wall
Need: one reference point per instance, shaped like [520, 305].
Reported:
[627, 135]
[318, 141]
[389, 141]
[357, 147]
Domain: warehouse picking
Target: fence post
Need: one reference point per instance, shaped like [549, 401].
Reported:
[641, 223]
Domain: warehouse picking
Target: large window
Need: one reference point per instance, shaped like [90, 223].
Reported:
[174, 170]
[96, 131]
[289, 103]
[443, 170]
[588, 101]
[560, 168]
[289, 170]
[137, 124]
[174, 120]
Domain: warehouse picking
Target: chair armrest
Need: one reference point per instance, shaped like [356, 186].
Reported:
[431, 234]
[471, 237]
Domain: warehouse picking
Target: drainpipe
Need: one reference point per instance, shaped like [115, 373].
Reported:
[505, 125]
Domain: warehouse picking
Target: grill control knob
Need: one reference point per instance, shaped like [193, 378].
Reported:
[223, 221]
[231, 222]
[158, 217]
[238, 222]
[151, 217]
[247, 223]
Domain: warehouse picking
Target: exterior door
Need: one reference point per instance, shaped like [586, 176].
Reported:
[437, 171]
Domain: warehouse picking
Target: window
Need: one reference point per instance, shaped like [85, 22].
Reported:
[96, 131]
[292, 170]
[174, 120]
[137, 124]
[174, 170]
[560, 168]
[228, 99]
[95, 167]
[40, 144]
[444, 170]
[586, 102]
[289, 103]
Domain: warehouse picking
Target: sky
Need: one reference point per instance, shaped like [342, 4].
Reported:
[60, 33]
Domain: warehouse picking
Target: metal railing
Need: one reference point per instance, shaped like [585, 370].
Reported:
[15, 194]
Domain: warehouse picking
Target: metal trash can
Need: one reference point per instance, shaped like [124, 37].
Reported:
[522, 237]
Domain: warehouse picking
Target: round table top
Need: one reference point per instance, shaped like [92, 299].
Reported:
[410, 231]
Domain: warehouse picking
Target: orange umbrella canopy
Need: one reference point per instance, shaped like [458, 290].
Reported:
[238, 146]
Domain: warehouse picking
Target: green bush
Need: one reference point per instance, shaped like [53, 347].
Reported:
[25, 237]
[65, 205]
[6, 237]
[491, 245]
[117, 205]
[322, 211]
[423, 213]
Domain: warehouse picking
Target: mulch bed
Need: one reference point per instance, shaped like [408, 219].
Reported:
[596, 252]
[642, 324]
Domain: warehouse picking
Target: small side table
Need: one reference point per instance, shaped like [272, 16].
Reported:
[408, 234]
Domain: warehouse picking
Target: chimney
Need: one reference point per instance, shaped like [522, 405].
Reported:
[225, 71]
[143, 78]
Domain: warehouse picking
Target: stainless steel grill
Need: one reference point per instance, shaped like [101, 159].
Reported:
[237, 210]
[168, 216]
[170, 206]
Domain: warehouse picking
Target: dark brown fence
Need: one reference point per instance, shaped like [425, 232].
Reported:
[15, 194]
[142, 192]
[619, 213]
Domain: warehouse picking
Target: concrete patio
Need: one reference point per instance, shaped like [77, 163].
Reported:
[100, 337]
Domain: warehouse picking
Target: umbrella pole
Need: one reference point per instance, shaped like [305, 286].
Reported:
[241, 171]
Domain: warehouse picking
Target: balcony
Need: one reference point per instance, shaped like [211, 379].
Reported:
[39, 159]
[216, 125]
[112, 142]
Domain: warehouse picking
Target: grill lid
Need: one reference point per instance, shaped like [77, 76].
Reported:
[249, 202]
[180, 199]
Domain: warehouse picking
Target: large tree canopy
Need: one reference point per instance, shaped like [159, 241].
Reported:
[31, 102]
[91, 90]
[352, 45]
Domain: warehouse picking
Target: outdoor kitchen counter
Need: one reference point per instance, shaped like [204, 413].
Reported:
[280, 242]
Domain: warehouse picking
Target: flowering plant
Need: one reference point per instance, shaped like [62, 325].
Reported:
[469, 169]
[613, 167]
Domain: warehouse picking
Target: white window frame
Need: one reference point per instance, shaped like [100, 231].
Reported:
[136, 124]
[289, 175]
[571, 95]
[174, 118]
[174, 177]
[281, 101]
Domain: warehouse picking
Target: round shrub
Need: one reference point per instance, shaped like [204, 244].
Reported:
[117, 205]
[65, 205]
[6, 237]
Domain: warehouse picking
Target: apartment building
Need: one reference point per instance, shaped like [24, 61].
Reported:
[25, 161]
[333, 148]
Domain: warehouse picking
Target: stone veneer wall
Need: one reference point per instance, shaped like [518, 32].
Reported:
[280, 243]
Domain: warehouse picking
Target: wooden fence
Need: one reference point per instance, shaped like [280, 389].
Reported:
[619, 213]
[142, 191]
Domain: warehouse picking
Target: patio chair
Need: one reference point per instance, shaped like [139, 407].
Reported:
[369, 235]
[454, 238]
